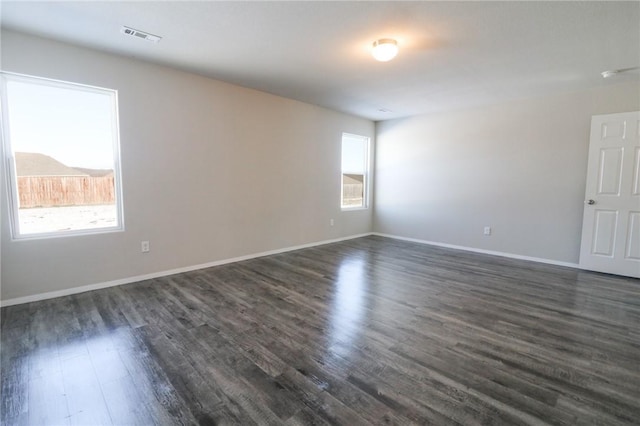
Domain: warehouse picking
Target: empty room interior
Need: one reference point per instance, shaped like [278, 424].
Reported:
[320, 213]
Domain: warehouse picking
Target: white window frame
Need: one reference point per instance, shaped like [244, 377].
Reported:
[365, 179]
[11, 178]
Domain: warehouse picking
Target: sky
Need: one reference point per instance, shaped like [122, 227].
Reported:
[354, 154]
[73, 126]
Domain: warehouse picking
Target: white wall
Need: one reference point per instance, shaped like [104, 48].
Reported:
[519, 167]
[210, 171]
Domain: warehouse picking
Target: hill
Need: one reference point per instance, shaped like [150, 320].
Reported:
[36, 164]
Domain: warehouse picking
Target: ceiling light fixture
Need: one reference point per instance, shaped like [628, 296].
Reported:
[385, 49]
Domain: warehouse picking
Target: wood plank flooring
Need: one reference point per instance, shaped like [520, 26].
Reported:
[366, 331]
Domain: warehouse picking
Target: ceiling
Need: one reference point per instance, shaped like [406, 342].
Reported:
[453, 55]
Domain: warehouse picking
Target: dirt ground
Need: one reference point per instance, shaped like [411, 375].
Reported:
[51, 219]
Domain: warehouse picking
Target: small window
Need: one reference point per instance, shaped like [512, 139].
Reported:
[355, 171]
[61, 145]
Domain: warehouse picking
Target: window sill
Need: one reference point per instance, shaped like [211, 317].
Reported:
[351, 209]
[64, 234]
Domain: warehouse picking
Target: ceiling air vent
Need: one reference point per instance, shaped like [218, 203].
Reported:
[140, 34]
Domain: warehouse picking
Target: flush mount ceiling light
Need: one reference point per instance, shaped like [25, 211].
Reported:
[385, 49]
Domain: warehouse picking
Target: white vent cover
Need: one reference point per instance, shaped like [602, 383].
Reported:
[140, 34]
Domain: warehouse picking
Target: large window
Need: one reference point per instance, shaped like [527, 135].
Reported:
[355, 171]
[61, 149]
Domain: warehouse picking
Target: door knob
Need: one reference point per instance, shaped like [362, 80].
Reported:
[590, 202]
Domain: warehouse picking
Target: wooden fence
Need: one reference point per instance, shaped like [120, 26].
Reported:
[55, 191]
[352, 194]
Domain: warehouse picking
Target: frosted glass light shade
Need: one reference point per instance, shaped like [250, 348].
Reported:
[385, 49]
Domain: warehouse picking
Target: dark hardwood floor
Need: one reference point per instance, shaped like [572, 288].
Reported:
[367, 331]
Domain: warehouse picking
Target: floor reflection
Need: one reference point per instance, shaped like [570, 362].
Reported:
[347, 317]
[83, 381]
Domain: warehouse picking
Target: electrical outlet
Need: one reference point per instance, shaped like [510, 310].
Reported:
[144, 246]
[487, 230]
[331, 222]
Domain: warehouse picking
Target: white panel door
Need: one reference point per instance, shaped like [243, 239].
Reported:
[611, 221]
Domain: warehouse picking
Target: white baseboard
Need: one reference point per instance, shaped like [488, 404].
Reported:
[97, 286]
[477, 250]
